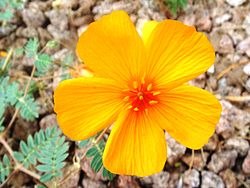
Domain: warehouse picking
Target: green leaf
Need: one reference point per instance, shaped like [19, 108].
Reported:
[43, 63]
[31, 48]
[28, 107]
[52, 44]
[46, 177]
[96, 163]
[83, 143]
[91, 152]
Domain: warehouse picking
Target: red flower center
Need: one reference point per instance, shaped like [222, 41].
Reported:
[141, 96]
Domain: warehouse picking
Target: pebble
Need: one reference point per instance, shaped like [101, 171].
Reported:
[58, 19]
[247, 86]
[222, 160]
[127, 182]
[211, 180]
[246, 69]
[221, 19]
[48, 121]
[204, 23]
[246, 164]
[159, 180]
[192, 178]
[174, 150]
[239, 144]
[246, 24]
[244, 47]
[198, 162]
[229, 178]
[235, 3]
[86, 182]
[33, 17]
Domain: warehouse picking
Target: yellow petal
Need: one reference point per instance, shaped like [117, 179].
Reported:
[136, 146]
[112, 48]
[147, 29]
[177, 54]
[84, 106]
[189, 115]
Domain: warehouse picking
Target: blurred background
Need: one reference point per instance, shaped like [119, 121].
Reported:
[37, 51]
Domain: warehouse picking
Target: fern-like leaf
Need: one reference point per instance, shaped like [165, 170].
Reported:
[43, 63]
[28, 107]
[5, 168]
[31, 48]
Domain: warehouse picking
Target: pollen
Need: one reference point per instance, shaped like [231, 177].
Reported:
[141, 96]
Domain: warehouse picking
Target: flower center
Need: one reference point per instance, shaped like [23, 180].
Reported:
[141, 96]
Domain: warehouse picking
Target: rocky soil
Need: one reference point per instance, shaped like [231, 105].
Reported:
[225, 162]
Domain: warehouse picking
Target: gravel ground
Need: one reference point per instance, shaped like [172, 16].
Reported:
[226, 159]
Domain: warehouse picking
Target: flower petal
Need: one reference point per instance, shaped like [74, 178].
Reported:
[177, 54]
[147, 29]
[112, 48]
[189, 115]
[136, 146]
[85, 106]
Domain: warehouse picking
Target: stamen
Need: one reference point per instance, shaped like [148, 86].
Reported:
[149, 87]
[135, 84]
[156, 93]
[152, 102]
[126, 98]
[130, 106]
[141, 97]
[136, 109]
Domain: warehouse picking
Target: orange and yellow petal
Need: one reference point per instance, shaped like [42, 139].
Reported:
[177, 53]
[147, 29]
[189, 114]
[136, 146]
[85, 106]
[112, 48]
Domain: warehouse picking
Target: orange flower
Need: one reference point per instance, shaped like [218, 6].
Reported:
[140, 85]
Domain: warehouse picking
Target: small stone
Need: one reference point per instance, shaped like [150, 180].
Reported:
[229, 178]
[127, 182]
[48, 121]
[211, 70]
[226, 45]
[198, 162]
[159, 180]
[221, 19]
[222, 42]
[71, 176]
[246, 24]
[33, 17]
[246, 69]
[88, 183]
[244, 47]
[224, 127]
[174, 150]
[200, 81]
[212, 143]
[246, 164]
[222, 160]
[28, 32]
[247, 86]
[239, 144]
[210, 179]
[58, 34]
[237, 118]
[235, 3]
[84, 20]
[58, 19]
[204, 23]
[192, 178]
